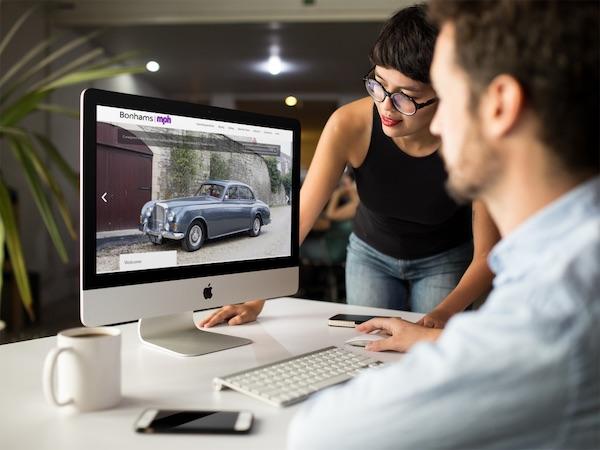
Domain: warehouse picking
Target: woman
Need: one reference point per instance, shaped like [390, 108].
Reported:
[413, 247]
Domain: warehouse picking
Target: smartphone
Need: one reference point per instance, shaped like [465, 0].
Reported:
[190, 421]
[348, 320]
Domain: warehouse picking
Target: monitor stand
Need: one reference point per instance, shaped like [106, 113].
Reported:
[178, 334]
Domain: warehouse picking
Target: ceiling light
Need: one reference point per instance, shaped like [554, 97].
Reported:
[291, 100]
[152, 66]
[274, 65]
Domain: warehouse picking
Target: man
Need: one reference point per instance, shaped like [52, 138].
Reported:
[518, 87]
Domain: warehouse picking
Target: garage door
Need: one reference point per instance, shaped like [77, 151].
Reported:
[123, 181]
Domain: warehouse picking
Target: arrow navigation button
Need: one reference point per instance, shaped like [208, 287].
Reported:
[104, 197]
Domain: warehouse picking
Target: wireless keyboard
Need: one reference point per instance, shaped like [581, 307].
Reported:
[292, 380]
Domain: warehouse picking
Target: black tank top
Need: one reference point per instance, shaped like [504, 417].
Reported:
[405, 211]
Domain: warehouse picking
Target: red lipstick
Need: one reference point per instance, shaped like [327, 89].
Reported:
[389, 122]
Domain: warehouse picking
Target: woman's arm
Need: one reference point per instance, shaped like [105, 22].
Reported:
[341, 141]
[477, 279]
[475, 282]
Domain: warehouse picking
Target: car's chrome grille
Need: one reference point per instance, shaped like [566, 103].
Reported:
[157, 220]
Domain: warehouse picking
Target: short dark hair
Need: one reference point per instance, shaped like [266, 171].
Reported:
[406, 43]
[552, 48]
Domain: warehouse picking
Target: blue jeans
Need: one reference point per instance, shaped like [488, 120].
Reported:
[418, 285]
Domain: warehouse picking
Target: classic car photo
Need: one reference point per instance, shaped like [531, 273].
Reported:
[218, 208]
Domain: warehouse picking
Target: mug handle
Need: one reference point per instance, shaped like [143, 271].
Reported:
[48, 379]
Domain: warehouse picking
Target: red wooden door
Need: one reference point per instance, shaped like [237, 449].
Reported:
[123, 184]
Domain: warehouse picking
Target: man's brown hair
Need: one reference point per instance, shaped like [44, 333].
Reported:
[552, 48]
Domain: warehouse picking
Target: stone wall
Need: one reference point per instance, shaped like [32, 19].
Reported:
[236, 161]
[247, 168]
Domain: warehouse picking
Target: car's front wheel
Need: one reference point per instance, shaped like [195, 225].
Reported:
[194, 238]
[256, 225]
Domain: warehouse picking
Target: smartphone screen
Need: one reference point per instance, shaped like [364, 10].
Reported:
[172, 421]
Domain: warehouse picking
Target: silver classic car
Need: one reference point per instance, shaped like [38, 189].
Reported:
[218, 208]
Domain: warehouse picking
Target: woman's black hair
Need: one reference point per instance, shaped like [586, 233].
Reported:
[406, 43]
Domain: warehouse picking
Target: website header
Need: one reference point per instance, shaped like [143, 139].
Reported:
[128, 116]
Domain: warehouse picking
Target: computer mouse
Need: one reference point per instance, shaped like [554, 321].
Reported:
[364, 339]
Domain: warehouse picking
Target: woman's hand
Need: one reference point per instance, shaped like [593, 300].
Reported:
[403, 334]
[436, 318]
[234, 314]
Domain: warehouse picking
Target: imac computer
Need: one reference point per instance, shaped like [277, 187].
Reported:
[183, 207]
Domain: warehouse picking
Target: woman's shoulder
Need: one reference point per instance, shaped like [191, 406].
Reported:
[351, 125]
[356, 116]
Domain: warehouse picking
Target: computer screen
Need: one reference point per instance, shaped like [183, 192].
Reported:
[184, 206]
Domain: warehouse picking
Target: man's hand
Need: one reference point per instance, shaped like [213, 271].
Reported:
[403, 334]
[436, 318]
[234, 314]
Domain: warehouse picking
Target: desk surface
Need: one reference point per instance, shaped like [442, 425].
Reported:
[152, 378]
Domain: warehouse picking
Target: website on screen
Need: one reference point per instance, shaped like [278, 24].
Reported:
[174, 191]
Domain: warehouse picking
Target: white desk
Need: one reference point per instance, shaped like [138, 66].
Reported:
[151, 378]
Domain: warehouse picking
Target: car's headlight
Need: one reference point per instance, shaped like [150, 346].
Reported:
[148, 212]
[171, 216]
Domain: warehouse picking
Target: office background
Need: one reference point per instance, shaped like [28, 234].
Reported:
[210, 52]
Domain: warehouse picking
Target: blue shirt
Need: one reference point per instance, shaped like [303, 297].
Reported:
[522, 372]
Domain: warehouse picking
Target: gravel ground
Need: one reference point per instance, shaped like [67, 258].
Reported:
[272, 241]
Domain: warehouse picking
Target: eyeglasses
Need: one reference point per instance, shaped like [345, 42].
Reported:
[403, 103]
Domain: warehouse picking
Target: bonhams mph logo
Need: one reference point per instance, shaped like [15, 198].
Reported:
[144, 117]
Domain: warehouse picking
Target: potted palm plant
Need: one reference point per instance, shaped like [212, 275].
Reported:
[25, 88]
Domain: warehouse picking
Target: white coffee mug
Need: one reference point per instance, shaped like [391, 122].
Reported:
[88, 373]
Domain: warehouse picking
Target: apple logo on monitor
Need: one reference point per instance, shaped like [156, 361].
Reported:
[207, 292]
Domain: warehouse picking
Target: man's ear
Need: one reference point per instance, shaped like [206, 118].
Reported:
[501, 106]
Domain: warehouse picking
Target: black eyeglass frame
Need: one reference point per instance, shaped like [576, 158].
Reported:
[391, 95]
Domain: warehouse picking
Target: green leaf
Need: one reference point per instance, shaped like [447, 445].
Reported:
[71, 175]
[39, 197]
[70, 67]
[125, 56]
[21, 108]
[32, 53]
[109, 63]
[13, 244]
[63, 49]
[73, 113]
[15, 28]
[91, 75]
[2, 239]
[47, 177]
[13, 131]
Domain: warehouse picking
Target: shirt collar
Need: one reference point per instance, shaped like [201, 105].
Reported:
[524, 243]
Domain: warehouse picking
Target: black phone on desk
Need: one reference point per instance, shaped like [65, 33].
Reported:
[194, 421]
[348, 320]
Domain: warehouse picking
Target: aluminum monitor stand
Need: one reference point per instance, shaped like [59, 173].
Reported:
[178, 334]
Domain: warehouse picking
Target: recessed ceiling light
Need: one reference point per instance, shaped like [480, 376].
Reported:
[291, 100]
[152, 66]
[274, 65]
